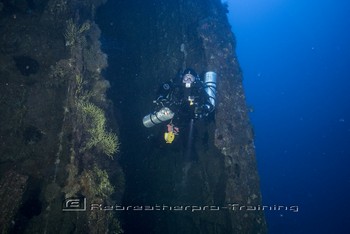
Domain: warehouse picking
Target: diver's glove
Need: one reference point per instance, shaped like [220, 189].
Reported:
[161, 101]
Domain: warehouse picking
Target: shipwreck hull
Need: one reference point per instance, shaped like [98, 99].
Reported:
[77, 77]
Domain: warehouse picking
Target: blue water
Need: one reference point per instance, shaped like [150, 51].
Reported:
[295, 57]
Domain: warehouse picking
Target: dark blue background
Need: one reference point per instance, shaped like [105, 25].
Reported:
[295, 57]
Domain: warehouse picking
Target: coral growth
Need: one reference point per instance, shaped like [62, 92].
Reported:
[95, 60]
[99, 89]
[94, 119]
[96, 183]
[45, 133]
[74, 32]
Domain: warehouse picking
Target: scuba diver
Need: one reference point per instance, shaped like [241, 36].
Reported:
[184, 99]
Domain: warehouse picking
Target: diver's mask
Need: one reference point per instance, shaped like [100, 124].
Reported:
[188, 79]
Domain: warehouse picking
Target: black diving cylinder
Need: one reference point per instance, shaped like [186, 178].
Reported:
[210, 87]
[162, 115]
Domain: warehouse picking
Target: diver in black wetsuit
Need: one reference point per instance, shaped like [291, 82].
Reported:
[181, 100]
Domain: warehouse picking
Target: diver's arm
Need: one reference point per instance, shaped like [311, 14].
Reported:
[164, 93]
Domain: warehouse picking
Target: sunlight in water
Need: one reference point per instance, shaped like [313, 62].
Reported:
[248, 11]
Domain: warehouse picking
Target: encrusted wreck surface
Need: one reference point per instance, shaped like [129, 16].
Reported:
[12, 187]
[56, 128]
[233, 133]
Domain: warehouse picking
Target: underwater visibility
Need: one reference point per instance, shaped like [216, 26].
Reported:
[132, 117]
[124, 117]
